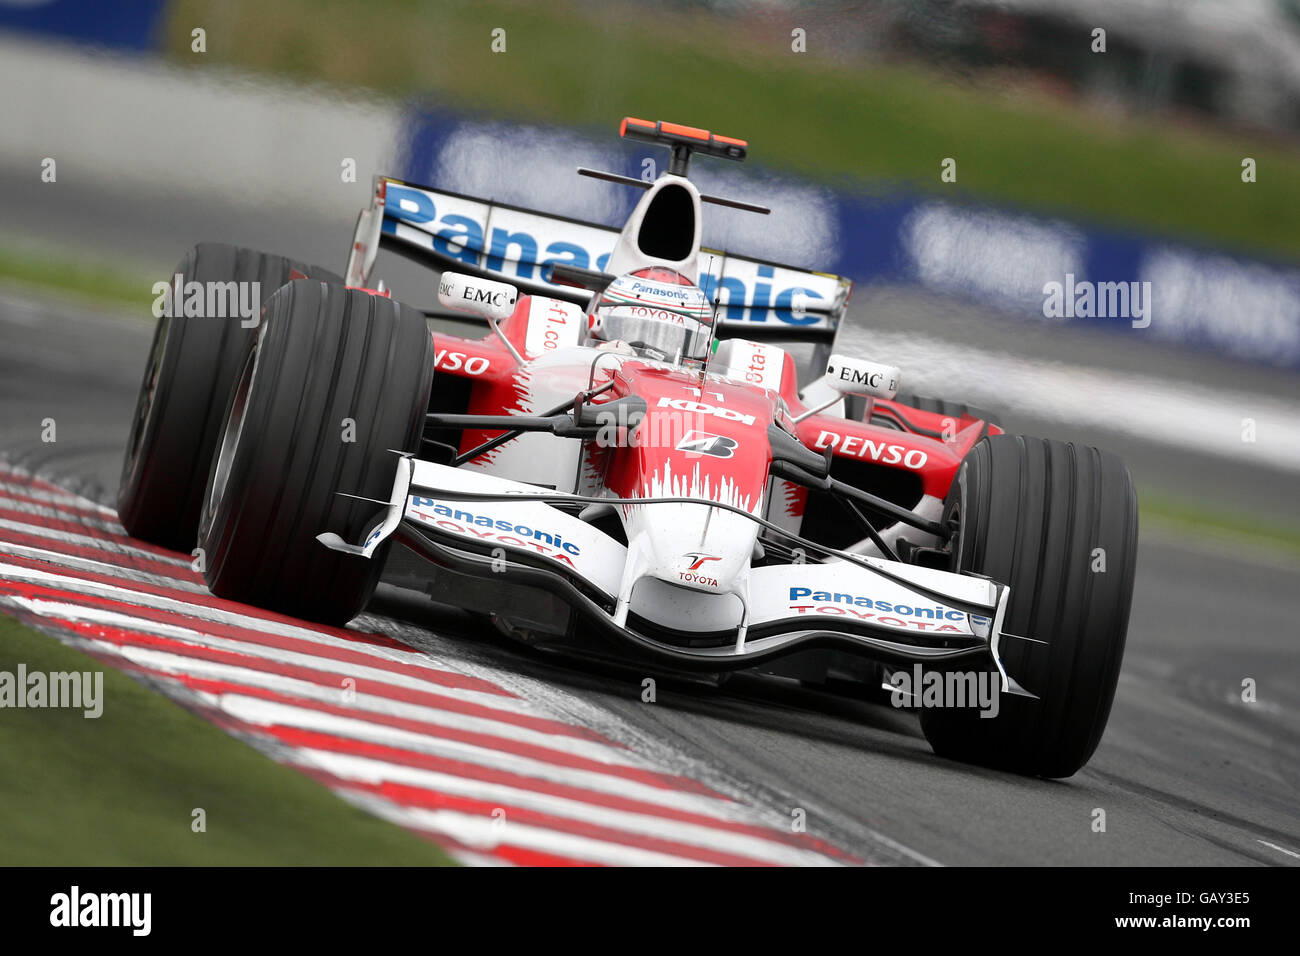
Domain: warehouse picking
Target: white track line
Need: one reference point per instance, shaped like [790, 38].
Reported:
[70, 562]
[62, 512]
[128, 595]
[16, 482]
[771, 850]
[371, 704]
[88, 541]
[177, 665]
[256, 711]
[1280, 849]
[77, 612]
[268, 714]
[485, 833]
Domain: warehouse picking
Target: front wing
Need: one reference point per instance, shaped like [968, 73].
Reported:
[511, 533]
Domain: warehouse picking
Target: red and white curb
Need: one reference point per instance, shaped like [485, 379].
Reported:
[447, 749]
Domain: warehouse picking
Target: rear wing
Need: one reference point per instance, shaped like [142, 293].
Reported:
[755, 299]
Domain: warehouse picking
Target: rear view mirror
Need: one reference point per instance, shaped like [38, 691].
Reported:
[850, 376]
[492, 300]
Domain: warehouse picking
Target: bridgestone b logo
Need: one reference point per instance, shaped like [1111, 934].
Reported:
[703, 443]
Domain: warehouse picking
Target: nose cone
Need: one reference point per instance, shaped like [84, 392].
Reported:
[693, 545]
[704, 440]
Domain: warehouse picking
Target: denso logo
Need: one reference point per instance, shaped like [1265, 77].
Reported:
[459, 361]
[700, 408]
[884, 453]
[520, 253]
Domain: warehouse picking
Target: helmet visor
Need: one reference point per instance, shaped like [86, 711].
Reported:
[662, 334]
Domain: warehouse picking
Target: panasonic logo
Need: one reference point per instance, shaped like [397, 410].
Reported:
[462, 233]
[937, 612]
[471, 520]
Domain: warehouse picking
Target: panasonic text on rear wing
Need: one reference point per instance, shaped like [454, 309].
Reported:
[522, 246]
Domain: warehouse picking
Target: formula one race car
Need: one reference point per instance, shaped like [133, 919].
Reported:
[652, 453]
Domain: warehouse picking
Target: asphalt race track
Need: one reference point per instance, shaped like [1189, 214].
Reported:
[1187, 773]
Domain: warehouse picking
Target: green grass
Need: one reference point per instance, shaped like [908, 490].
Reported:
[1200, 519]
[57, 270]
[864, 124]
[120, 789]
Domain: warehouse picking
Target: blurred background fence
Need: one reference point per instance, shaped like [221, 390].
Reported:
[1071, 162]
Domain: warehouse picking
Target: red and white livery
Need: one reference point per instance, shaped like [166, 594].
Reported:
[653, 453]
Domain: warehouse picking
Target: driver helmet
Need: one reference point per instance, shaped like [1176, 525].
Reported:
[659, 312]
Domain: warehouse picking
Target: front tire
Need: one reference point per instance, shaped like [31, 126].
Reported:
[193, 364]
[338, 380]
[1057, 523]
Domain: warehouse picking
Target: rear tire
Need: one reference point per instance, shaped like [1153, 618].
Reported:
[192, 367]
[324, 355]
[1032, 514]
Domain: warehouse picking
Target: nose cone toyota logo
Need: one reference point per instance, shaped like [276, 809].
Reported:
[697, 559]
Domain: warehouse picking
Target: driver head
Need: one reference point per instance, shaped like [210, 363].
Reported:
[658, 312]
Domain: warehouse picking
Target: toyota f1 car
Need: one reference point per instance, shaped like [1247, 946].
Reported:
[651, 453]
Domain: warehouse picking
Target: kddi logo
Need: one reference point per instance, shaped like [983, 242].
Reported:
[701, 408]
